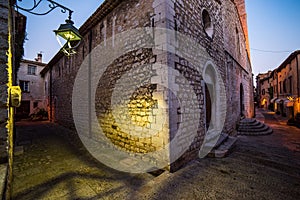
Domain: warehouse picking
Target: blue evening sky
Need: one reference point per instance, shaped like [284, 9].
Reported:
[273, 25]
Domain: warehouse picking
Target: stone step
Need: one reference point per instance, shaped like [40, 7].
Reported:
[224, 148]
[250, 124]
[267, 132]
[253, 127]
[258, 126]
[263, 128]
[223, 137]
[248, 120]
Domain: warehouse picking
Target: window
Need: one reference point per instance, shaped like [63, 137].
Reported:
[237, 41]
[284, 86]
[45, 86]
[291, 85]
[31, 70]
[24, 86]
[263, 92]
[280, 87]
[208, 25]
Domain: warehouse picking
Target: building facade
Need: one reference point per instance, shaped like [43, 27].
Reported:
[219, 27]
[263, 84]
[12, 33]
[3, 79]
[33, 87]
[283, 86]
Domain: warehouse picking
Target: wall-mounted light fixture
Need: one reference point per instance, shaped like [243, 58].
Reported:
[65, 31]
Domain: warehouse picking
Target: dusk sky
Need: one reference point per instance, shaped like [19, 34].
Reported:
[273, 27]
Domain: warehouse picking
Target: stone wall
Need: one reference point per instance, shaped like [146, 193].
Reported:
[3, 77]
[239, 72]
[214, 27]
[128, 15]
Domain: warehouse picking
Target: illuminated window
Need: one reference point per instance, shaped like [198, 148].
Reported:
[31, 70]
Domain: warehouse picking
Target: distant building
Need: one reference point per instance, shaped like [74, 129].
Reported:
[280, 88]
[33, 87]
[263, 85]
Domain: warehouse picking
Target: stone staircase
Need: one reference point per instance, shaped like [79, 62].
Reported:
[250, 126]
[223, 146]
[247, 126]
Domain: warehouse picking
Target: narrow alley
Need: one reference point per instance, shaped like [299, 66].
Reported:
[260, 167]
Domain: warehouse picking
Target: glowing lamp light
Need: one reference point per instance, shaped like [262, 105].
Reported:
[66, 31]
[291, 98]
[69, 33]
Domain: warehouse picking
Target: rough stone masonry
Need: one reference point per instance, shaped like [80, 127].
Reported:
[219, 27]
[3, 78]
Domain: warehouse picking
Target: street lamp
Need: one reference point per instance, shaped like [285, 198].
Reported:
[69, 33]
[65, 31]
[292, 99]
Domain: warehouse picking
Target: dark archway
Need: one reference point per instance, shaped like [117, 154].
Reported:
[208, 102]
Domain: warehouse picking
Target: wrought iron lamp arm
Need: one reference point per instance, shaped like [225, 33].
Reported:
[52, 5]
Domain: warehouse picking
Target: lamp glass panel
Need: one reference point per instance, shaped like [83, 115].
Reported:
[69, 35]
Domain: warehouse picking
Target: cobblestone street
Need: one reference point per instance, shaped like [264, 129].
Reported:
[260, 167]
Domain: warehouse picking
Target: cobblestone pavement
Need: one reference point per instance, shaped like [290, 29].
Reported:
[260, 167]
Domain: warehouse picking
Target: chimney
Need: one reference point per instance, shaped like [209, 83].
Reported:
[39, 57]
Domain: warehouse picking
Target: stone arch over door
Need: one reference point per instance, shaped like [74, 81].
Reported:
[215, 107]
[211, 96]
[242, 104]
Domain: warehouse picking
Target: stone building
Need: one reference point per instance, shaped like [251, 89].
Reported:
[263, 84]
[3, 77]
[216, 31]
[12, 33]
[33, 87]
[284, 86]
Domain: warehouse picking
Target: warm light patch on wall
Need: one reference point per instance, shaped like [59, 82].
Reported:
[297, 106]
[142, 107]
[145, 130]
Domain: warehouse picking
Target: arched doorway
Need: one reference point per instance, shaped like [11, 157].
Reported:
[210, 97]
[214, 105]
[242, 105]
[208, 105]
